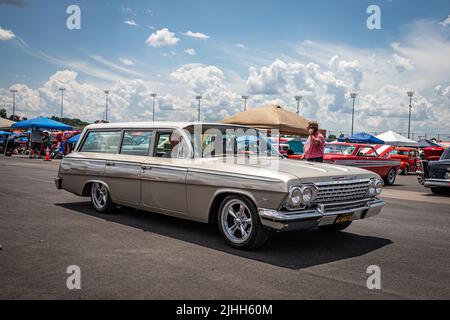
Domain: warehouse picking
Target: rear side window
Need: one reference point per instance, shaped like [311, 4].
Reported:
[136, 143]
[102, 142]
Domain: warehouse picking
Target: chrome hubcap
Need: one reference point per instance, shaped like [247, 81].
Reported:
[391, 176]
[236, 221]
[99, 195]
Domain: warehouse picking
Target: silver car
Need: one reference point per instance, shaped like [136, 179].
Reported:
[213, 173]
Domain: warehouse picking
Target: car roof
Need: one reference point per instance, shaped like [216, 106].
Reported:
[156, 124]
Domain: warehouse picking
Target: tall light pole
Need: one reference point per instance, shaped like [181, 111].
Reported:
[62, 101]
[13, 91]
[199, 98]
[245, 102]
[106, 104]
[153, 95]
[410, 94]
[298, 98]
[353, 95]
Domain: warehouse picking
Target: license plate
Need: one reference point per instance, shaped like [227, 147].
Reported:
[344, 218]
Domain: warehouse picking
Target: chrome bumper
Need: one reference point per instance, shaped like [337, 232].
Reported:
[321, 216]
[429, 183]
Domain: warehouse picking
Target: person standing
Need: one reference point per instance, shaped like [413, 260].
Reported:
[315, 143]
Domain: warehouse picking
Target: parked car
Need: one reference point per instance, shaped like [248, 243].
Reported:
[432, 153]
[409, 158]
[205, 173]
[436, 174]
[362, 156]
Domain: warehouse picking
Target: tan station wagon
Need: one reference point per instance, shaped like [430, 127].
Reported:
[213, 173]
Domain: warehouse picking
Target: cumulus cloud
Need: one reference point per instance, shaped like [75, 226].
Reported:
[190, 51]
[402, 64]
[445, 22]
[162, 37]
[196, 35]
[6, 34]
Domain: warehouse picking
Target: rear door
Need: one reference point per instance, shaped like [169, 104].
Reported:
[123, 170]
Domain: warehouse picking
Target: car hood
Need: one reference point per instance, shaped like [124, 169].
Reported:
[284, 169]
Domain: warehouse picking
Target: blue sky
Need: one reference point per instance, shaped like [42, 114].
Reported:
[237, 52]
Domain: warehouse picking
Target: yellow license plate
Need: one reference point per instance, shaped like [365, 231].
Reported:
[344, 218]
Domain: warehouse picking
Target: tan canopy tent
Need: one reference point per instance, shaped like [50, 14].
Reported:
[271, 117]
[5, 123]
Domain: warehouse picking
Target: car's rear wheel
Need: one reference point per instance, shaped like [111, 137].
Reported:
[100, 198]
[239, 223]
[390, 178]
[336, 227]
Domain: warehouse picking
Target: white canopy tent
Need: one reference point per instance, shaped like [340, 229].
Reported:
[394, 139]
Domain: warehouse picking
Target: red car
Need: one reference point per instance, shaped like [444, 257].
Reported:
[364, 156]
[432, 153]
[409, 158]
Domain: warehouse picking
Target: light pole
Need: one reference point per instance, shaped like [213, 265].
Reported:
[13, 91]
[153, 95]
[62, 102]
[298, 98]
[106, 104]
[353, 95]
[245, 102]
[410, 94]
[199, 98]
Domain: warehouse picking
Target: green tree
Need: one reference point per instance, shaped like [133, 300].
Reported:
[3, 113]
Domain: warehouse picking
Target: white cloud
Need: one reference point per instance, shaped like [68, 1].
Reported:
[445, 22]
[190, 51]
[126, 61]
[6, 34]
[240, 45]
[196, 35]
[162, 38]
[402, 64]
[130, 22]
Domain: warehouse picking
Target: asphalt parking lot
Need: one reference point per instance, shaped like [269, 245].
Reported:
[138, 255]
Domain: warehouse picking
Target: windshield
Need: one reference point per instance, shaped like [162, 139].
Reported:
[338, 149]
[222, 141]
[399, 152]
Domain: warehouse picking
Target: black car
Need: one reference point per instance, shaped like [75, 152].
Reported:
[436, 174]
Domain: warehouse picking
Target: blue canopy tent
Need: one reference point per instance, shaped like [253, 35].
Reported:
[41, 123]
[362, 138]
[74, 139]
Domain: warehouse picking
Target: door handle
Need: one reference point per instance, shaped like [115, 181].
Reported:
[144, 167]
[110, 164]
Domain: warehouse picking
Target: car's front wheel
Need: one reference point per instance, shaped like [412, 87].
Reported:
[390, 178]
[239, 223]
[100, 198]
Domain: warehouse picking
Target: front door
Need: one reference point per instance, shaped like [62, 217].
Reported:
[163, 179]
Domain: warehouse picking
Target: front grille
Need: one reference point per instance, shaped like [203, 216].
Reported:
[341, 191]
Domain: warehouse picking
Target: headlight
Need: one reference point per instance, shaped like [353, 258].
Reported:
[308, 194]
[372, 188]
[301, 195]
[295, 197]
[378, 187]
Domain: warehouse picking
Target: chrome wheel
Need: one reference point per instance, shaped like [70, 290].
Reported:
[99, 195]
[236, 221]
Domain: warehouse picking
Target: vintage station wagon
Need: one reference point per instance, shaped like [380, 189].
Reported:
[213, 173]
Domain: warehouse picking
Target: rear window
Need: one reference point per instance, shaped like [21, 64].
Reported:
[102, 142]
[136, 143]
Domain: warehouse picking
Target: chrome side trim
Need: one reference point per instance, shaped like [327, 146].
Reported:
[234, 175]
[428, 183]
